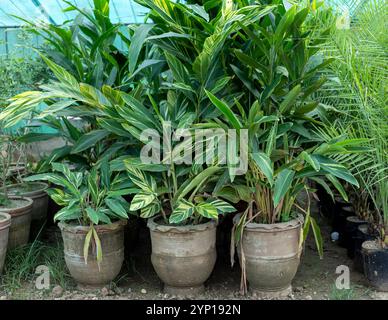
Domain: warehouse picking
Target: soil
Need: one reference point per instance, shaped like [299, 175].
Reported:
[315, 279]
[14, 204]
[20, 189]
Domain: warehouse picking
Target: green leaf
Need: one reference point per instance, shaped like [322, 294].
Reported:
[306, 108]
[141, 200]
[89, 140]
[60, 73]
[150, 211]
[183, 211]
[324, 185]
[74, 133]
[87, 244]
[290, 99]
[37, 136]
[338, 186]
[145, 64]
[335, 169]
[68, 214]
[55, 179]
[145, 182]
[207, 210]
[116, 207]
[264, 162]
[282, 185]
[284, 24]
[92, 185]
[197, 180]
[271, 141]
[317, 236]
[222, 206]
[137, 41]
[93, 215]
[311, 161]
[226, 111]
[98, 247]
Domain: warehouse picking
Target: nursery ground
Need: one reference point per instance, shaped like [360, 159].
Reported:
[315, 278]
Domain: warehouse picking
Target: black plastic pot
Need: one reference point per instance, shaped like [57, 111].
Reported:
[342, 211]
[375, 265]
[363, 234]
[351, 227]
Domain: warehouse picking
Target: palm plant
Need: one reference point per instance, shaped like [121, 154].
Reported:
[359, 93]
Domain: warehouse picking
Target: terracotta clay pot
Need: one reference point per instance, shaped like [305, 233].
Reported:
[272, 255]
[5, 223]
[20, 211]
[36, 192]
[183, 256]
[112, 243]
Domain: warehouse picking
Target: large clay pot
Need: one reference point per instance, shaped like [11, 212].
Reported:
[183, 256]
[36, 192]
[112, 243]
[272, 255]
[20, 211]
[375, 265]
[5, 222]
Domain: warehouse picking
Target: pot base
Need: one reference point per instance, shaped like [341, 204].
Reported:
[184, 291]
[266, 294]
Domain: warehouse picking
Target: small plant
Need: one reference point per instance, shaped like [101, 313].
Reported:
[21, 264]
[342, 294]
[88, 198]
[187, 204]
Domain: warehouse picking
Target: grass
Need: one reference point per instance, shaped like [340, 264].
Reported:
[21, 264]
[346, 294]
[342, 294]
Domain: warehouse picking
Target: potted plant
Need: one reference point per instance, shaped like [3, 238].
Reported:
[375, 252]
[32, 190]
[182, 219]
[19, 208]
[277, 73]
[359, 94]
[92, 221]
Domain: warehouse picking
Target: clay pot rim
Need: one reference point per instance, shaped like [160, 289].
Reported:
[154, 226]
[101, 228]
[270, 227]
[18, 211]
[5, 220]
[33, 193]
